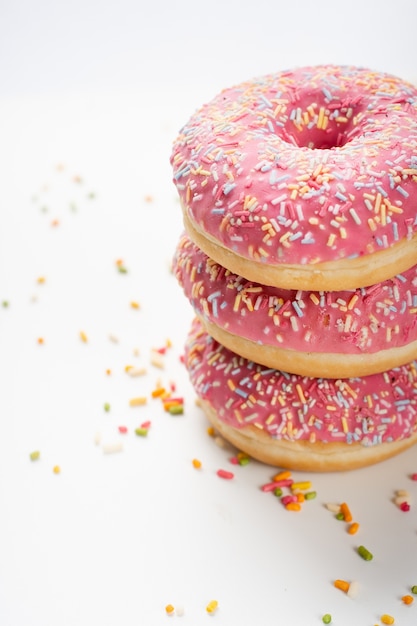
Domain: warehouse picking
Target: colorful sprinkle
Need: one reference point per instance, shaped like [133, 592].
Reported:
[35, 455]
[365, 554]
[225, 474]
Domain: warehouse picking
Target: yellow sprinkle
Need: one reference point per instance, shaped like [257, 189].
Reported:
[157, 360]
[196, 463]
[139, 401]
[83, 337]
[303, 485]
[331, 239]
[169, 609]
[56, 469]
[387, 619]
[212, 606]
[135, 305]
[41, 280]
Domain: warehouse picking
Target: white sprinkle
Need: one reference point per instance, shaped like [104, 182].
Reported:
[112, 448]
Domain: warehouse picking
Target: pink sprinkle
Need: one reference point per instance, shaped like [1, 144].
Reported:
[404, 506]
[414, 476]
[224, 474]
[287, 499]
[146, 424]
[234, 460]
[287, 482]
[123, 430]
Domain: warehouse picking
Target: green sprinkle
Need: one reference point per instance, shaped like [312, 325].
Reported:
[310, 495]
[122, 269]
[5, 304]
[365, 554]
[107, 407]
[340, 517]
[176, 409]
[35, 455]
[414, 589]
[244, 460]
[141, 432]
[278, 492]
[327, 618]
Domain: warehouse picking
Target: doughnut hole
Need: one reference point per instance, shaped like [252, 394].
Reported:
[315, 123]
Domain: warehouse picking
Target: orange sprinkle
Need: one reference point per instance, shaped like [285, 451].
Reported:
[293, 506]
[108, 372]
[353, 528]
[196, 463]
[282, 475]
[158, 392]
[211, 431]
[301, 497]
[407, 599]
[40, 340]
[344, 509]
[343, 585]
[169, 609]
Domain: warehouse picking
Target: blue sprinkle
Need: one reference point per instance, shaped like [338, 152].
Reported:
[402, 191]
[297, 308]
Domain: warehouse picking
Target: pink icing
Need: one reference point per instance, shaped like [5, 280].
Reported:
[303, 166]
[370, 410]
[351, 322]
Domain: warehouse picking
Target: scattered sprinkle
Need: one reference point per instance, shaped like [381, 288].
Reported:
[139, 401]
[414, 589]
[196, 463]
[353, 528]
[365, 554]
[407, 599]
[35, 455]
[225, 474]
[112, 448]
[387, 619]
[343, 585]
[212, 606]
[134, 304]
[141, 432]
[353, 590]
[327, 618]
[169, 609]
[83, 337]
[56, 469]
[122, 429]
[106, 407]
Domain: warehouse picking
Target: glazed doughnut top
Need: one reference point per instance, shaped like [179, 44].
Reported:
[303, 167]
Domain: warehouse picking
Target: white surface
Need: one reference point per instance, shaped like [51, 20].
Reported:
[114, 538]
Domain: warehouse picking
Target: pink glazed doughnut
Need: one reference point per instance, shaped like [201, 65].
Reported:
[331, 334]
[304, 179]
[302, 423]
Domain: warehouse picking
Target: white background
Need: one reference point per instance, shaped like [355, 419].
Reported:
[92, 95]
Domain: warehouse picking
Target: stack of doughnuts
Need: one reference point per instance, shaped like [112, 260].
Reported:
[299, 257]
